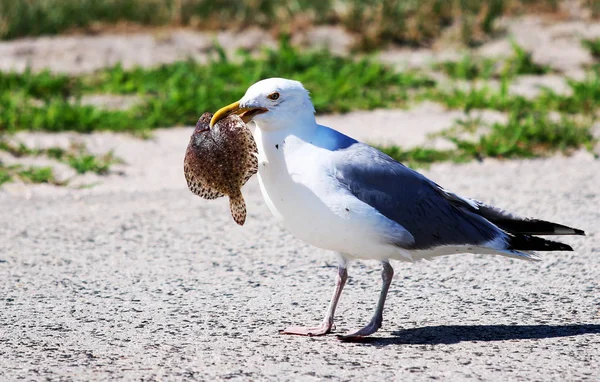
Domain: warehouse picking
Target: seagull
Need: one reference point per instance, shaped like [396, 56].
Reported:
[338, 194]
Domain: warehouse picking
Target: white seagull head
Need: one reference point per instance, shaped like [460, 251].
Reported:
[272, 103]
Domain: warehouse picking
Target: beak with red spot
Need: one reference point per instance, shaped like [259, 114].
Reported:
[245, 113]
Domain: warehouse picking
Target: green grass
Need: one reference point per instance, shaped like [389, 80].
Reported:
[584, 97]
[27, 174]
[38, 85]
[523, 136]
[540, 126]
[521, 63]
[18, 151]
[86, 163]
[470, 67]
[82, 161]
[38, 17]
[57, 113]
[593, 46]
[479, 97]
[77, 157]
[527, 136]
[375, 22]
[37, 175]
[421, 156]
[176, 94]
[5, 175]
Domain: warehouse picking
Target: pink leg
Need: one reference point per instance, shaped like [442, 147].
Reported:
[327, 323]
[386, 274]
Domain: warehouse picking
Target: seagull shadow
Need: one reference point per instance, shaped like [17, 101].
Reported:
[453, 334]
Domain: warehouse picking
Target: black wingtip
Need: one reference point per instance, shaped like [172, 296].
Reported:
[563, 247]
[532, 243]
[536, 227]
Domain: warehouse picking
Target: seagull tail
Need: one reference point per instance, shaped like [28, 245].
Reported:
[238, 208]
[521, 246]
[533, 243]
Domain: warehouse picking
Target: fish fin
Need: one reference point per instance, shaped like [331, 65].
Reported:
[203, 191]
[238, 208]
[252, 168]
[207, 192]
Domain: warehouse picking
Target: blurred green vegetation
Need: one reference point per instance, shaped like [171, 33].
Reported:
[414, 22]
[422, 156]
[468, 68]
[528, 135]
[583, 97]
[178, 93]
[593, 45]
[33, 174]
[28, 174]
[537, 126]
[471, 67]
[76, 156]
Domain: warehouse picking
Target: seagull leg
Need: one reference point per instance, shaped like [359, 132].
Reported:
[327, 323]
[386, 274]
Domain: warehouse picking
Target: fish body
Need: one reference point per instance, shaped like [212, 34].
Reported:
[220, 160]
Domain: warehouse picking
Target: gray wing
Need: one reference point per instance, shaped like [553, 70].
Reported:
[423, 208]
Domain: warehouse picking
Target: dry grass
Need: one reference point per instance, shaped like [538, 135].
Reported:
[377, 22]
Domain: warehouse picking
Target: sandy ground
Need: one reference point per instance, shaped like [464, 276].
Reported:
[135, 278]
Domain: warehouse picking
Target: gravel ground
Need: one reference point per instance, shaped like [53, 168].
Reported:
[139, 279]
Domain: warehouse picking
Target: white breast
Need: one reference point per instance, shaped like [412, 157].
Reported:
[297, 183]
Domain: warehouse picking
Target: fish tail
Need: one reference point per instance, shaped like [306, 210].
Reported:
[238, 208]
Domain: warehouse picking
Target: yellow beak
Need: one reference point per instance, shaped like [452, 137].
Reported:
[245, 113]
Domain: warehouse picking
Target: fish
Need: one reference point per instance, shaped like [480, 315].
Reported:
[220, 160]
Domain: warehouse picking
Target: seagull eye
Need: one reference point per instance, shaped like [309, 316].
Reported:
[273, 96]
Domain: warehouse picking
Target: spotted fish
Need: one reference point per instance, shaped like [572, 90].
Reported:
[220, 160]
